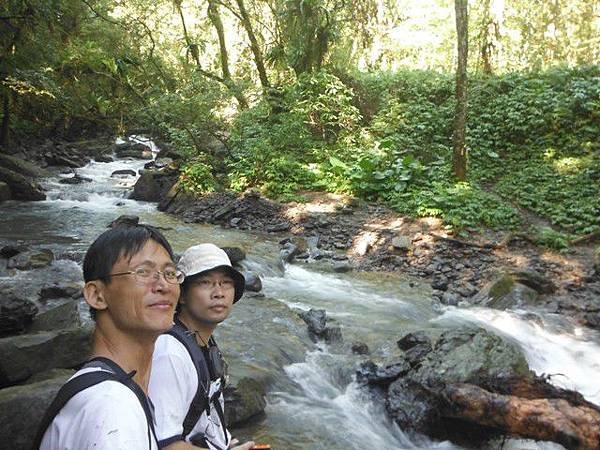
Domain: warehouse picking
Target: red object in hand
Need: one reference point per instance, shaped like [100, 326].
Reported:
[261, 447]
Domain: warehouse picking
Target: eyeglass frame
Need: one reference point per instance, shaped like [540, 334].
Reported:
[179, 276]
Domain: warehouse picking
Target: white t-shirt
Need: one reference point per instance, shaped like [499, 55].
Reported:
[172, 387]
[106, 416]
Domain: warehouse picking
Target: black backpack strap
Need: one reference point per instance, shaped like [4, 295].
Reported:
[65, 393]
[200, 401]
[127, 380]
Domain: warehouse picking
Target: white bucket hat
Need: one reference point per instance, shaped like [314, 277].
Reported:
[202, 258]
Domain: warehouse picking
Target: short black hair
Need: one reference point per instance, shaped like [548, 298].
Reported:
[120, 241]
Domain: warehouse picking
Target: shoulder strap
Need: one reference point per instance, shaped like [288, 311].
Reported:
[200, 401]
[65, 393]
[127, 380]
[89, 379]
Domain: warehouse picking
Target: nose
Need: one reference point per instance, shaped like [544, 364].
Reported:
[160, 282]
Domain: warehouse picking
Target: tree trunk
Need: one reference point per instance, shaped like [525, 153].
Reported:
[193, 48]
[215, 18]
[5, 127]
[577, 427]
[459, 160]
[258, 58]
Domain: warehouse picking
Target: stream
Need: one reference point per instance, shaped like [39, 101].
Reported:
[313, 401]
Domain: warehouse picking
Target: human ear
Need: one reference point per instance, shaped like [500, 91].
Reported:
[93, 291]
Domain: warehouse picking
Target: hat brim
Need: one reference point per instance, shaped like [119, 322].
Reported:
[238, 279]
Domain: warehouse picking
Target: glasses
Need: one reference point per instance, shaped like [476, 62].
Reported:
[146, 276]
[208, 285]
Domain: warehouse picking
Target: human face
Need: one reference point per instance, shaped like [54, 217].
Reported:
[209, 298]
[134, 306]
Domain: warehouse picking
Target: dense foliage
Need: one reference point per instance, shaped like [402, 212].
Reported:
[354, 97]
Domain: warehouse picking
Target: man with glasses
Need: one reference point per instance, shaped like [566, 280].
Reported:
[188, 371]
[132, 287]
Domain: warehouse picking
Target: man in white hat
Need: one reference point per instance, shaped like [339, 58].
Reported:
[188, 371]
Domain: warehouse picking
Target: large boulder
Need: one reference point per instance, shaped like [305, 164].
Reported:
[16, 313]
[33, 259]
[153, 185]
[244, 401]
[22, 409]
[26, 355]
[21, 187]
[414, 382]
[21, 166]
[60, 317]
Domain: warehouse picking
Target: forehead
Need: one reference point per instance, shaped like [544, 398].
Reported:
[215, 273]
[151, 253]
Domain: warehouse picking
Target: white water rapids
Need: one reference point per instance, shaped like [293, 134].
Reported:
[313, 402]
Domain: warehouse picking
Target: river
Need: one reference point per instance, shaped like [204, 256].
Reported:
[312, 399]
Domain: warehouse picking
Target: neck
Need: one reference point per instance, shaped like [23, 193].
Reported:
[202, 330]
[129, 352]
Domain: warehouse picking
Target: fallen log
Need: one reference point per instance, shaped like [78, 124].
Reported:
[556, 420]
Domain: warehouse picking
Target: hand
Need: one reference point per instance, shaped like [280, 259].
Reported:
[245, 446]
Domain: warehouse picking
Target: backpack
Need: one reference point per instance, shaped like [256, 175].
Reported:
[201, 402]
[89, 379]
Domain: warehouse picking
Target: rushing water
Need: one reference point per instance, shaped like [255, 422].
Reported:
[312, 399]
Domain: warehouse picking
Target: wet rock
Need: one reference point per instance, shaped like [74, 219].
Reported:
[253, 282]
[383, 376]
[21, 187]
[61, 290]
[316, 319]
[63, 316]
[124, 172]
[416, 354]
[332, 335]
[75, 179]
[104, 159]
[4, 192]
[288, 252]
[33, 259]
[16, 313]
[412, 339]
[10, 250]
[22, 409]
[411, 406]
[124, 220]
[133, 150]
[360, 348]
[244, 400]
[28, 354]
[341, 266]
[153, 185]
[235, 254]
